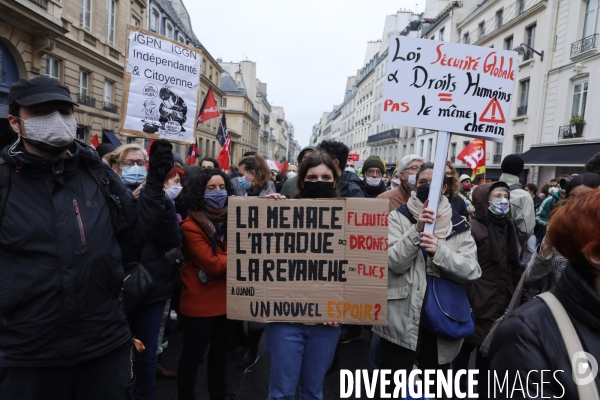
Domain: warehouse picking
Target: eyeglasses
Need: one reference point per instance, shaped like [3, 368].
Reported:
[129, 163]
[413, 168]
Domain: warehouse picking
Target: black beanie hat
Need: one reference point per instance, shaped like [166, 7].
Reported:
[512, 164]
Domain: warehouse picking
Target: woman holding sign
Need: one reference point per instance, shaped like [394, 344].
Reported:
[414, 258]
[202, 307]
[300, 351]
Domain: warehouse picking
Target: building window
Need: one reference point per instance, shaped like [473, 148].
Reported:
[579, 98]
[210, 73]
[84, 78]
[519, 144]
[499, 18]
[135, 21]
[429, 149]
[204, 66]
[524, 97]
[224, 102]
[85, 13]
[481, 29]
[530, 37]
[130, 140]
[497, 153]
[422, 148]
[466, 39]
[453, 152]
[441, 36]
[154, 20]
[589, 22]
[412, 149]
[181, 39]
[111, 10]
[508, 43]
[81, 133]
[169, 31]
[52, 67]
[108, 92]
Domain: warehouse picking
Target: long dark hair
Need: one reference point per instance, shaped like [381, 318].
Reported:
[314, 160]
[192, 195]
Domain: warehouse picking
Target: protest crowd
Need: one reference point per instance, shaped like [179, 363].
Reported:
[106, 252]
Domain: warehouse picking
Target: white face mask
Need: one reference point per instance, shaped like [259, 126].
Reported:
[396, 182]
[552, 190]
[173, 192]
[349, 169]
[54, 129]
[373, 182]
[412, 179]
[291, 174]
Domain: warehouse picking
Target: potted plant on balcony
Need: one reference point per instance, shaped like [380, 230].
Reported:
[577, 121]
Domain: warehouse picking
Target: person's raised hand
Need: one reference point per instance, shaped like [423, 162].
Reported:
[161, 161]
[429, 243]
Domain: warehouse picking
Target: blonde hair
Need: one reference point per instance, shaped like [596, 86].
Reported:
[121, 152]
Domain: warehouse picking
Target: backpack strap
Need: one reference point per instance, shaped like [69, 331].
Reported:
[4, 185]
[571, 340]
[117, 212]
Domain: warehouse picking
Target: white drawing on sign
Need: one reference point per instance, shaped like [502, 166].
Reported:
[150, 120]
[173, 112]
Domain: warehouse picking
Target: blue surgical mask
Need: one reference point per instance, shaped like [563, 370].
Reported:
[499, 206]
[244, 183]
[134, 175]
[215, 198]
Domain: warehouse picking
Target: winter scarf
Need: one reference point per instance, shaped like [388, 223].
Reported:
[213, 222]
[495, 224]
[443, 225]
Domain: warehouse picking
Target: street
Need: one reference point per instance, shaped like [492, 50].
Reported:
[254, 384]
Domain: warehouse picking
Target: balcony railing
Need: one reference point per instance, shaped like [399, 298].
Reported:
[110, 107]
[497, 158]
[583, 45]
[389, 135]
[509, 13]
[522, 110]
[570, 132]
[86, 100]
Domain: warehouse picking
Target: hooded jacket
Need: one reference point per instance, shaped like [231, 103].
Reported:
[60, 263]
[397, 196]
[529, 340]
[522, 210]
[491, 293]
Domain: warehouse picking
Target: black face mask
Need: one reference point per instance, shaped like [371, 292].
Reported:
[423, 193]
[318, 190]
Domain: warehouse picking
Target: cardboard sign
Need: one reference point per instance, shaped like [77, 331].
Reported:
[307, 261]
[161, 87]
[451, 87]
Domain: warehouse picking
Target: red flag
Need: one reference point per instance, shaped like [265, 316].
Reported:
[209, 108]
[193, 153]
[95, 142]
[474, 156]
[285, 167]
[223, 158]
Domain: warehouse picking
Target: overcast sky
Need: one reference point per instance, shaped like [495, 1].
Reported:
[304, 49]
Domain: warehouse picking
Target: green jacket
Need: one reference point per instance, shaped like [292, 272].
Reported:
[290, 188]
[542, 217]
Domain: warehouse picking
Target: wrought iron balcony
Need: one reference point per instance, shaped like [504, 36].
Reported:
[570, 132]
[110, 107]
[86, 100]
[583, 45]
[522, 110]
[386, 136]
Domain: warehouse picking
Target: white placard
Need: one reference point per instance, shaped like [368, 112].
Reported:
[161, 92]
[450, 87]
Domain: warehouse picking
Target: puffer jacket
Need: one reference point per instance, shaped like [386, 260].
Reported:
[456, 259]
[529, 340]
[60, 263]
[491, 293]
[522, 209]
[351, 185]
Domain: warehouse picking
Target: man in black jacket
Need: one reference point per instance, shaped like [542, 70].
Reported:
[63, 331]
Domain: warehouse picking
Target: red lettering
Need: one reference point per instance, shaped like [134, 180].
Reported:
[386, 104]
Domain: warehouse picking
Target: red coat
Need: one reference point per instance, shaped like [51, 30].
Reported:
[202, 299]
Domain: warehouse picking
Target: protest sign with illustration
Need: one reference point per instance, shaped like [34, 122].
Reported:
[161, 87]
[307, 261]
[449, 87]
